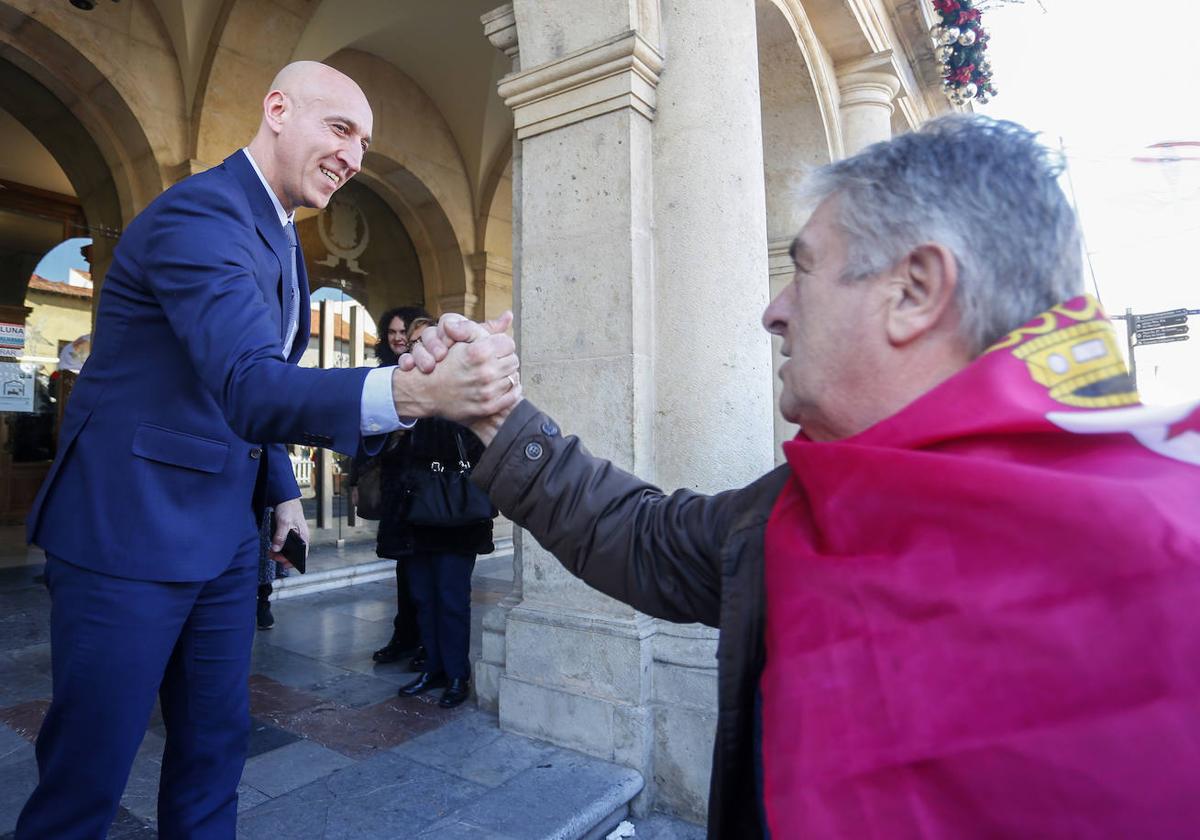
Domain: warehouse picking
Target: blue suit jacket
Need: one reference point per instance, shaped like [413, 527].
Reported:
[162, 447]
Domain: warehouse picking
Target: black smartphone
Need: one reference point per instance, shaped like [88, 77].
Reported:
[295, 550]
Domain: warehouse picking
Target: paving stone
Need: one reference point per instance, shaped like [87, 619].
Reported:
[270, 699]
[13, 748]
[25, 718]
[264, 738]
[20, 684]
[475, 748]
[356, 690]
[384, 796]
[249, 797]
[663, 827]
[141, 791]
[287, 768]
[322, 634]
[563, 797]
[129, 826]
[359, 733]
[35, 657]
[288, 667]
[17, 781]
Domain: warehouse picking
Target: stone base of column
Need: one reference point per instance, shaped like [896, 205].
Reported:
[582, 682]
[490, 665]
[685, 717]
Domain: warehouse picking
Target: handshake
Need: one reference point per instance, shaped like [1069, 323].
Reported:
[463, 371]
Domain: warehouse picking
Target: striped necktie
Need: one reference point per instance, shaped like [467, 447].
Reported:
[293, 301]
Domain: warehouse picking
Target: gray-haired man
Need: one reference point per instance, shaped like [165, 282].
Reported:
[931, 623]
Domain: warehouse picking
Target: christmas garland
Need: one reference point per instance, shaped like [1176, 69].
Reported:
[959, 45]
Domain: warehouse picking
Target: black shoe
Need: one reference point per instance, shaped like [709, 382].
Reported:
[417, 663]
[265, 619]
[394, 652]
[423, 683]
[456, 692]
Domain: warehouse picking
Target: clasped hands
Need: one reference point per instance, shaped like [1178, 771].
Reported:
[463, 371]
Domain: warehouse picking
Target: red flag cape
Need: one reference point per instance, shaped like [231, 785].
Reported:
[983, 613]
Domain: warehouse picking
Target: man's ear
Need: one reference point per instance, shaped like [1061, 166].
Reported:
[275, 106]
[921, 292]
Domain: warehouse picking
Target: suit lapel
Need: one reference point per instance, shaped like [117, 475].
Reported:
[266, 221]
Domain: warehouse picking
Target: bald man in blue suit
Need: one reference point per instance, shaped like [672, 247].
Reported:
[173, 441]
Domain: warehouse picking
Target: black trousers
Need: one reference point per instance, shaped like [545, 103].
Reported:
[406, 632]
[441, 588]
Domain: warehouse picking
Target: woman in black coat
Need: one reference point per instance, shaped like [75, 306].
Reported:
[406, 637]
[437, 562]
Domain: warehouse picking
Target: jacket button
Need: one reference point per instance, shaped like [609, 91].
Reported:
[255, 453]
[549, 429]
[533, 450]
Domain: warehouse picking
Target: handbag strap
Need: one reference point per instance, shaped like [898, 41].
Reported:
[462, 452]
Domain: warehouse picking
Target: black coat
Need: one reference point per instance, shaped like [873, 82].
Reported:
[432, 439]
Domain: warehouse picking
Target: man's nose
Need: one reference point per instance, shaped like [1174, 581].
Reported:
[351, 157]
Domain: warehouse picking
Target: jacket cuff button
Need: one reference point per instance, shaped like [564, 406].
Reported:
[549, 429]
[533, 450]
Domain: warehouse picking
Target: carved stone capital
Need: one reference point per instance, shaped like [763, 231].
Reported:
[500, 27]
[619, 73]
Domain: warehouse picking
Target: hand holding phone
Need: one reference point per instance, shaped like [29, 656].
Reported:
[295, 551]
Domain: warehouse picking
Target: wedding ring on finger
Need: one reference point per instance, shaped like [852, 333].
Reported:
[511, 382]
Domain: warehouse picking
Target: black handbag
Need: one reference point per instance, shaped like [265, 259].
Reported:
[370, 490]
[442, 497]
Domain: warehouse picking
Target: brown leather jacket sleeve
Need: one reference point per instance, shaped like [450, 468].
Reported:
[658, 553]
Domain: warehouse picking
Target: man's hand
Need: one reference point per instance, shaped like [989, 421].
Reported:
[451, 329]
[474, 378]
[289, 516]
[485, 428]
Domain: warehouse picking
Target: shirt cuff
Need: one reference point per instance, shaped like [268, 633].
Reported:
[378, 411]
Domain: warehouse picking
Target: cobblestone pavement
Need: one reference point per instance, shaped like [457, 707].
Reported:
[334, 752]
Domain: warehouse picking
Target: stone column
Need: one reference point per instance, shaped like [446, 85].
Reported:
[713, 425]
[500, 27]
[577, 664]
[868, 88]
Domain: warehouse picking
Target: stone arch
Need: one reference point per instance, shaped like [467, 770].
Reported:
[238, 71]
[797, 132]
[494, 224]
[85, 123]
[98, 117]
[443, 269]
[418, 169]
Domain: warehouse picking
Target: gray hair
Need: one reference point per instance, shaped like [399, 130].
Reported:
[983, 188]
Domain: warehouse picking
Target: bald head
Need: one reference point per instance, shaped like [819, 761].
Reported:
[315, 130]
[305, 81]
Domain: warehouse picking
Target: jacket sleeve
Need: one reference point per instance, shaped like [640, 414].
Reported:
[658, 553]
[199, 263]
[281, 478]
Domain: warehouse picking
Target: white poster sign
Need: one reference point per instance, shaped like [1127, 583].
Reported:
[16, 387]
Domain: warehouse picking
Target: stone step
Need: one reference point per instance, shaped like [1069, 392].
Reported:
[352, 572]
[536, 791]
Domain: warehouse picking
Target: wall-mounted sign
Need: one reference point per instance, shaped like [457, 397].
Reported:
[16, 386]
[12, 340]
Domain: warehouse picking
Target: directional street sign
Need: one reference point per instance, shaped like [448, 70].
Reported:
[1161, 332]
[1163, 340]
[1166, 319]
[1156, 316]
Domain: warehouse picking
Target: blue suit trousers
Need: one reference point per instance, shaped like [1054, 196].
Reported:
[115, 643]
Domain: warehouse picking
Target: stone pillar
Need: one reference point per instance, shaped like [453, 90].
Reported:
[712, 356]
[712, 363]
[500, 27]
[577, 664]
[868, 88]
